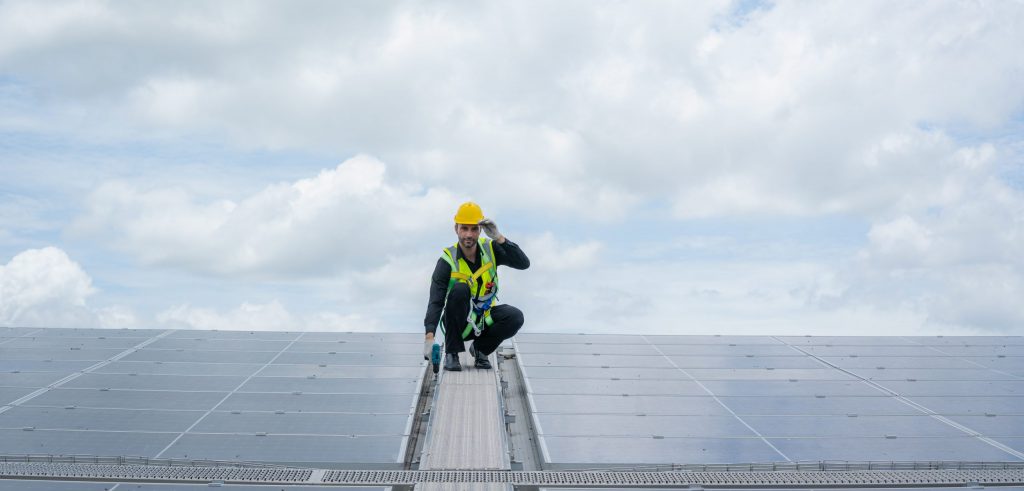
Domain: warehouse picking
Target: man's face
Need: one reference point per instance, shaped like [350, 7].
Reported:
[468, 234]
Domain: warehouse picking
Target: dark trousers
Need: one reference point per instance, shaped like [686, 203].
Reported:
[507, 321]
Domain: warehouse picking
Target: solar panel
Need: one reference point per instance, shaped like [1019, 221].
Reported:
[710, 399]
[340, 399]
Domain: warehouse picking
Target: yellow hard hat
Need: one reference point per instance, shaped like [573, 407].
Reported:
[469, 213]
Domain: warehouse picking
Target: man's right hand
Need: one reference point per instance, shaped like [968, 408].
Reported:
[428, 344]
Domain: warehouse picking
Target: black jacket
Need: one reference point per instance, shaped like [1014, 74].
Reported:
[507, 254]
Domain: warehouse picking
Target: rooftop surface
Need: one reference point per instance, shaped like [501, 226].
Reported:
[560, 402]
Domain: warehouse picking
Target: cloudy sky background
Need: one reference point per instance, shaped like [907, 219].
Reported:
[726, 167]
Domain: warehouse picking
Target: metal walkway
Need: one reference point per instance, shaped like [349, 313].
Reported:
[466, 429]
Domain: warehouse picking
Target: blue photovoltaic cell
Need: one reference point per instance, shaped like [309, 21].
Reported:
[180, 368]
[620, 361]
[60, 442]
[43, 366]
[989, 351]
[331, 385]
[581, 404]
[342, 403]
[790, 388]
[796, 405]
[651, 450]
[343, 371]
[972, 405]
[356, 347]
[241, 335]
[879, 448]
[219, 344]
[898, 362]
[967, 340]
[708, 340]
[936, 374]
[56, 332]
[304, 423]
[580, 338]
[588, 425]
[586, 349]
[62, 354]
[993, 425]
[846, 340]
[315, 450]
[362, 359]
[381, 339]
[606, 372]
[846, 350]
[786, 362]
[80, 418]
[589, 414]
[67, 343]
[219, 383]
[728, 350]
[29, 379]
[128, 399]
[258, 357]
[335, 414]
[955, 387]
[768, 374]
[9, 394]
[845, 426]
[616, 387]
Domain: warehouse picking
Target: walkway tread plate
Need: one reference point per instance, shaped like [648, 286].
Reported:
[466, 426]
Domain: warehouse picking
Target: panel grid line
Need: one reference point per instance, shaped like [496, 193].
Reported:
[27, 334]
[719, 401]
[229, 394]
[75, 375]
[962, 358]
[920, 407]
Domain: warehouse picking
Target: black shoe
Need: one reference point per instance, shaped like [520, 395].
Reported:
[451, 362]
[481, 359]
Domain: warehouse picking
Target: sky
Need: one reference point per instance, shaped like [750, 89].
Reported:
[719, 167]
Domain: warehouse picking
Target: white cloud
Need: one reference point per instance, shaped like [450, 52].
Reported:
[959, 264]
[551, 254]
[44, 287]
[902, 118]
[589, 109]
[348, 218]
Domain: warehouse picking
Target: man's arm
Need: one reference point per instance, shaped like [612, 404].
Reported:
[508, 253]
[438, 289]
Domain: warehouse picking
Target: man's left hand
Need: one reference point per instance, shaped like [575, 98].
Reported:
[491, 229]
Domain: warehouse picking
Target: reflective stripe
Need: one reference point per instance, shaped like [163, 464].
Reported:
[477, 281]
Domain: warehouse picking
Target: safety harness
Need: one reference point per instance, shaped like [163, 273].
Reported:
[483, 284]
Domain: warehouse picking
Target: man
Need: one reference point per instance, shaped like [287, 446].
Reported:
[463, 289]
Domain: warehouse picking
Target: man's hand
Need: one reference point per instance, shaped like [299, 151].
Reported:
[491, 229]
[428, 344]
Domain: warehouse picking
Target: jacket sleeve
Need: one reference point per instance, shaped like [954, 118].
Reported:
[509, 254]
[438, 289]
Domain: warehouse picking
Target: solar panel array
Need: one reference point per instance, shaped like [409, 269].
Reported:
[639, 400]
[320, 399]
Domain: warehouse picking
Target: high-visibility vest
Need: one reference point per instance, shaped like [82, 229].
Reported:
[483, 283]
